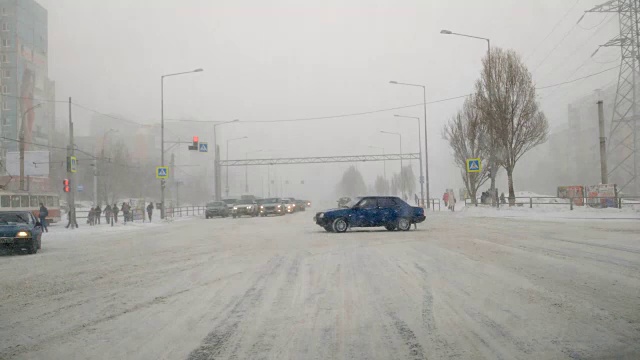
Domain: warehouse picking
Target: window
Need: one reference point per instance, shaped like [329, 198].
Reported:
[386, 203]
[24, 200]
[368, 203]
[5, 89]
[5, 106]
[33, 201]
[5, 27]
[42, 200]
[5, 201]
[6, 73]
[50, 201]
[6, 42]
[15, 201]
[5, 58]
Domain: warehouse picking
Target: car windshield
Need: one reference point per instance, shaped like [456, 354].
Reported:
[353, 202]
[229, 201]
[215, 204]
[245, 202]
[13, 218]
[271, 201]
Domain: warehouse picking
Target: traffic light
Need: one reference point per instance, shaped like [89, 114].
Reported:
[65, 185]
[195, 144]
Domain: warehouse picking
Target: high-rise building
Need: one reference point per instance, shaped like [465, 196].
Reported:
[26, 91]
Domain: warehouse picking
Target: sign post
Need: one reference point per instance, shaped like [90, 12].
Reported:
[162, 172]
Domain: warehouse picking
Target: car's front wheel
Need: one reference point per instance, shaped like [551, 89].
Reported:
[340, 225]
[33, 247]
[404, 224]
[328, 228]
[390, 227]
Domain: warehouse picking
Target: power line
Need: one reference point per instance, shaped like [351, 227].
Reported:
[578, 79]
[552, 29]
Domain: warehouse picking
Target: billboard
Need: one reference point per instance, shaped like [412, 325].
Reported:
[36, 163]
[575, 192]
[603, 195]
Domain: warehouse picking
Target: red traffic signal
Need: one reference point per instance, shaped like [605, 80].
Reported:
[65, 184]
[195, 144]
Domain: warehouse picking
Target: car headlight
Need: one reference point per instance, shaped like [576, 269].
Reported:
[248, 207]
[294, 205]
[279, 206]
[22, 234]
[321, 215]
[261, 207]
[235, 208]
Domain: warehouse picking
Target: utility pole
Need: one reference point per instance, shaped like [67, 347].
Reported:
[603, 147]
[172, 167]
[72, 176]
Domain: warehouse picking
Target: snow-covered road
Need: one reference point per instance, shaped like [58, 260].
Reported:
[281, 288]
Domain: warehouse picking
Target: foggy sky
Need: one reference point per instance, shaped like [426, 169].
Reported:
[268, 60]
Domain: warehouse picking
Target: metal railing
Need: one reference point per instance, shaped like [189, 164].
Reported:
[140, 215]
[593, 202]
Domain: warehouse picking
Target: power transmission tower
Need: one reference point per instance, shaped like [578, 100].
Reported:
[623, 148]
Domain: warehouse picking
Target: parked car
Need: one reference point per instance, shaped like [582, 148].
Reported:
[289, 205]
[20, 230]
[370, 211]
[272, 206]
[301, 205]
[244, 207]
[216, 208]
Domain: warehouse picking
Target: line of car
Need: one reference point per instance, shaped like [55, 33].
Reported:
[255, 207]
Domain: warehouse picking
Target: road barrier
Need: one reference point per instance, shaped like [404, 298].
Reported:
[140, 216]
[593, 202]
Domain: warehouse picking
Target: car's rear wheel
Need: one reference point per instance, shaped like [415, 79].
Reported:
[404, 224]
[340, 225]
[328, 228]
[390, 227]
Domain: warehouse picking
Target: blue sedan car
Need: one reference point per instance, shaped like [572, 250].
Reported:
[20, 230]
[388, 211]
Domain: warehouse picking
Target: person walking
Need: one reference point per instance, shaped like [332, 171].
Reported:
[452, 202]
[98, 213]
[125, 212]
[107, 214]
[72, 219]
[90, 216]
[44, 212]
[445, 197]
[115, 211]
[150, 210]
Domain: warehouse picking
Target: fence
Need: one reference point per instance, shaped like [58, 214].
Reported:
[139, 215]
[617, 202]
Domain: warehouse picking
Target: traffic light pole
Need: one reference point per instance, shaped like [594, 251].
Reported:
[71, 199]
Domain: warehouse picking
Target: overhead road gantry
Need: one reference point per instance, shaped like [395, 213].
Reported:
[319, 159]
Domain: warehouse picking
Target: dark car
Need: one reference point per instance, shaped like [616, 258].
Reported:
[244, 207]
[370, 211]
[301, 205]
[20, 230]
[272, 206]
[216, 208]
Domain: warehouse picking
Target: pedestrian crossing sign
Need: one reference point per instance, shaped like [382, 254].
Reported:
[162, 172]
[474, 165]
[203, 147]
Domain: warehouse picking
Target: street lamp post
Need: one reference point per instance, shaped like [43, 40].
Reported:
[226, 189]
[384, 161]
[492, 156]
[162, 181]
[95, 166]
[400, 136]
[426, 147]
[419, 151]
[22, 144]
[246, 172]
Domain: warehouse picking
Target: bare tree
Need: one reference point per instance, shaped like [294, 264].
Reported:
[506, 97]
[466, 133]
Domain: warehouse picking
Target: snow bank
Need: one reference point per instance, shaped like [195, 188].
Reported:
[553, 212]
